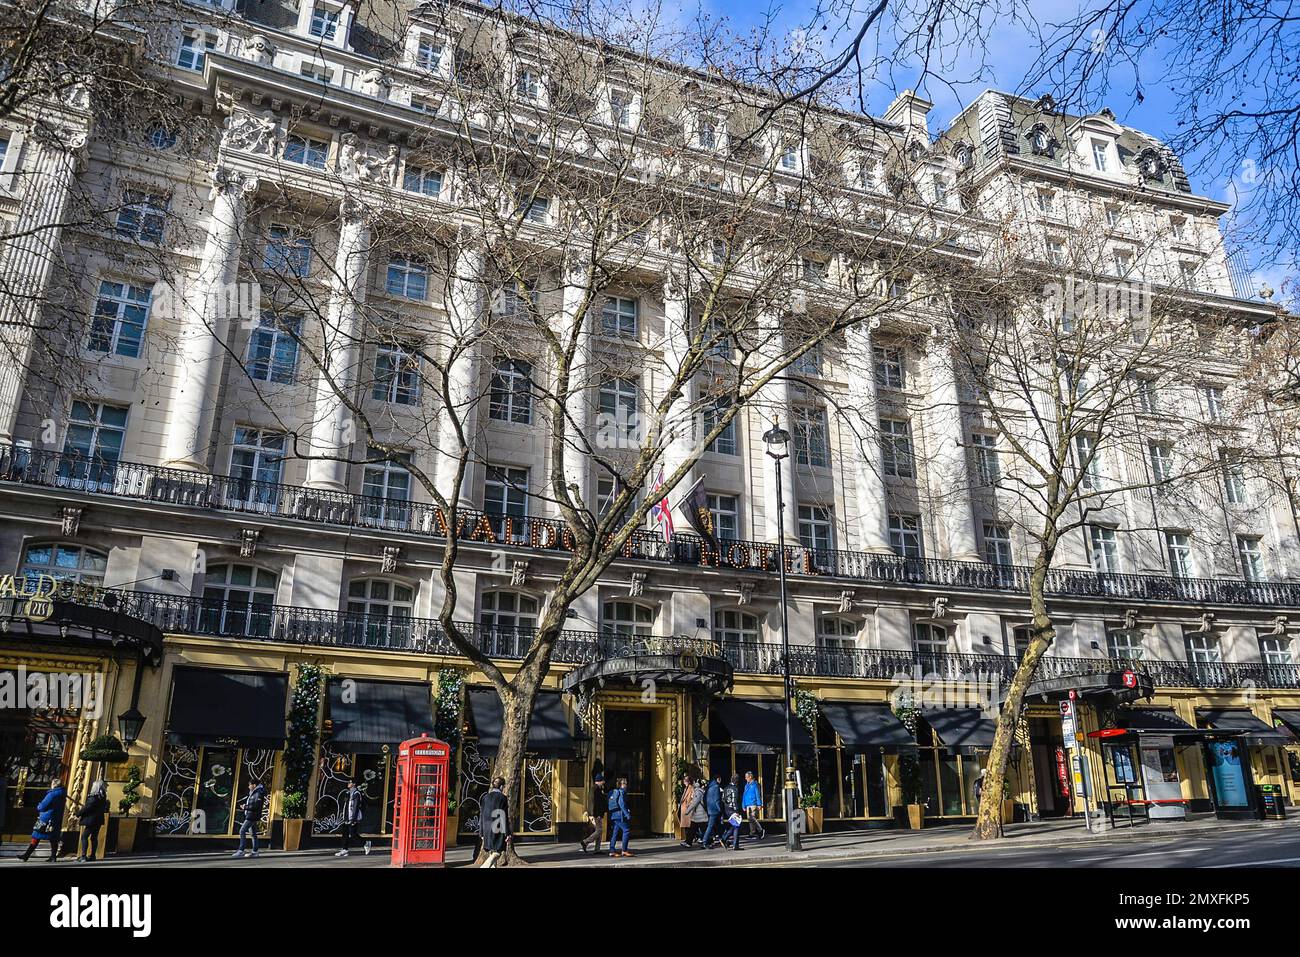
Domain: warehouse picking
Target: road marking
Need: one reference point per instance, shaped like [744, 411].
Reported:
[1281, 860]
[1118, 853]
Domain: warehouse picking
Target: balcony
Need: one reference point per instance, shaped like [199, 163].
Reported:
[182, 615]
[247, 497]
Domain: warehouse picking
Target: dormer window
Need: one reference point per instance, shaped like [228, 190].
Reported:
[790, 157]
[621, 113]
[324, 22]
[1178, 228]
[428, 54]
[1099, 151]
[329, 21]
[528, 84]
[706, 133]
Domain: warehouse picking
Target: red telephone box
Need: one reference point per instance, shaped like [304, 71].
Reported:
[420, 813]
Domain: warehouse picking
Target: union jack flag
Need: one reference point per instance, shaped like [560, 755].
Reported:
[661, 511]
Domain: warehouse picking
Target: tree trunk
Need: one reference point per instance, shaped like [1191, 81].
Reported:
[517, 699]
[988, 821]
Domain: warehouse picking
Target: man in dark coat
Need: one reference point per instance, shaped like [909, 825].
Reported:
[494, 822]
[352, 806]
[49, 820]
[713, 805]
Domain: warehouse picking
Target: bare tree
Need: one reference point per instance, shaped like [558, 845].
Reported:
[768, 234]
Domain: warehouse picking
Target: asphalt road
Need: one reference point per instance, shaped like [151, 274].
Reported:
[1247, 848]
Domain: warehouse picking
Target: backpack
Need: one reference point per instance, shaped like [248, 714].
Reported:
[614, 803]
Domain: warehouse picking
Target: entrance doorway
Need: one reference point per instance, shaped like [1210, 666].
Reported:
[35, 746]
[629, 753]
[1051, 764]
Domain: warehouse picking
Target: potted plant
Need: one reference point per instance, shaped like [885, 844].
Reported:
[453, 821]
[811, 803]
[128, 826]
[1008, 803]
[294, 809]
[909, 782]
[106, 748]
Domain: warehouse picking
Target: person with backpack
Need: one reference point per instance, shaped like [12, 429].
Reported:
[353, 807]
[752, 804]
[731, 812]
[713, 811]
[620, 819]
[253, 804]
[91, 817]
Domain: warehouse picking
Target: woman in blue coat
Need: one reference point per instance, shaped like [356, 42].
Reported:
[49, 820]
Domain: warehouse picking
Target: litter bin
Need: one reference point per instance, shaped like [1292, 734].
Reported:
[1271, 802]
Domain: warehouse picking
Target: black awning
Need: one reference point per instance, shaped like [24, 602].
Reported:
[961, 727]
[862, 725]
[548, 732]
[1289, 717]
[758, 727]
[1254, 730]
[1154, 721]
[367, 715]
[230, 708]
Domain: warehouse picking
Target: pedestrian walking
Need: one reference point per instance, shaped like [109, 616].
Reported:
[353, 807]
[49, 820]
[91, 817]
[752, 804]
[713, 811]
[620, 819]
[253, 804]
[494, 823]
[596, 814]
[731, 811]
[694, 816]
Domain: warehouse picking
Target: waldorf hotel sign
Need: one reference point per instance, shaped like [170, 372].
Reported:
[34, 596]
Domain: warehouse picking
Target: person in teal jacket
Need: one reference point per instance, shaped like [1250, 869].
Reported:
[49, 820]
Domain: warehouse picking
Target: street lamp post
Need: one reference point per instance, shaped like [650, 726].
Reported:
[777, 441]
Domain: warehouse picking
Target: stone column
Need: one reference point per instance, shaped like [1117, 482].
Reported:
[871, 493]
[203, 317]
[679, 432]
[774, 404]
[580, 431]
[30, 256]
[466, 308]
[949, 473]
[333, 430]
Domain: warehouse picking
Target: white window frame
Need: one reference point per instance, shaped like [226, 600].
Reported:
[127, 298]
[897, 450]
[396, 375]
[1178, 549]
[906, 535]
[890, 368]
[402, 275]
[620, 317]
[812, 440]
[817, 528]
[510, 397]
[1105, 549]
[725, 510]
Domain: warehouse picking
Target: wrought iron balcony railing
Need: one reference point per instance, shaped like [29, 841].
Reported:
[177, 614]
[151, 483]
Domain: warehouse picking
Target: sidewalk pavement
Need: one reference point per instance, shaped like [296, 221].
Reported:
[666, 852]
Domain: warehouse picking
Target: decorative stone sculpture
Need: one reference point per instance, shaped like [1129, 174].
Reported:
[254, 133]
[258, 49]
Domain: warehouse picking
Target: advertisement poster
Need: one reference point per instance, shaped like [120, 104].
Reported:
[1229, 781]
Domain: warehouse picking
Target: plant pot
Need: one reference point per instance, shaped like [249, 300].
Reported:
[127, 831]
[1008, 812]
[813, 820]
[453, 828]
[915, 816]
[294, 830]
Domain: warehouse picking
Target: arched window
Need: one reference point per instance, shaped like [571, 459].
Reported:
[238, 600]
[837, 631]
[64, 561]
[732, 625]
[379, 613]
[627, 618]
[508, 620]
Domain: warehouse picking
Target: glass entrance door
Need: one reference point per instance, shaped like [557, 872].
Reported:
[628, 753]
